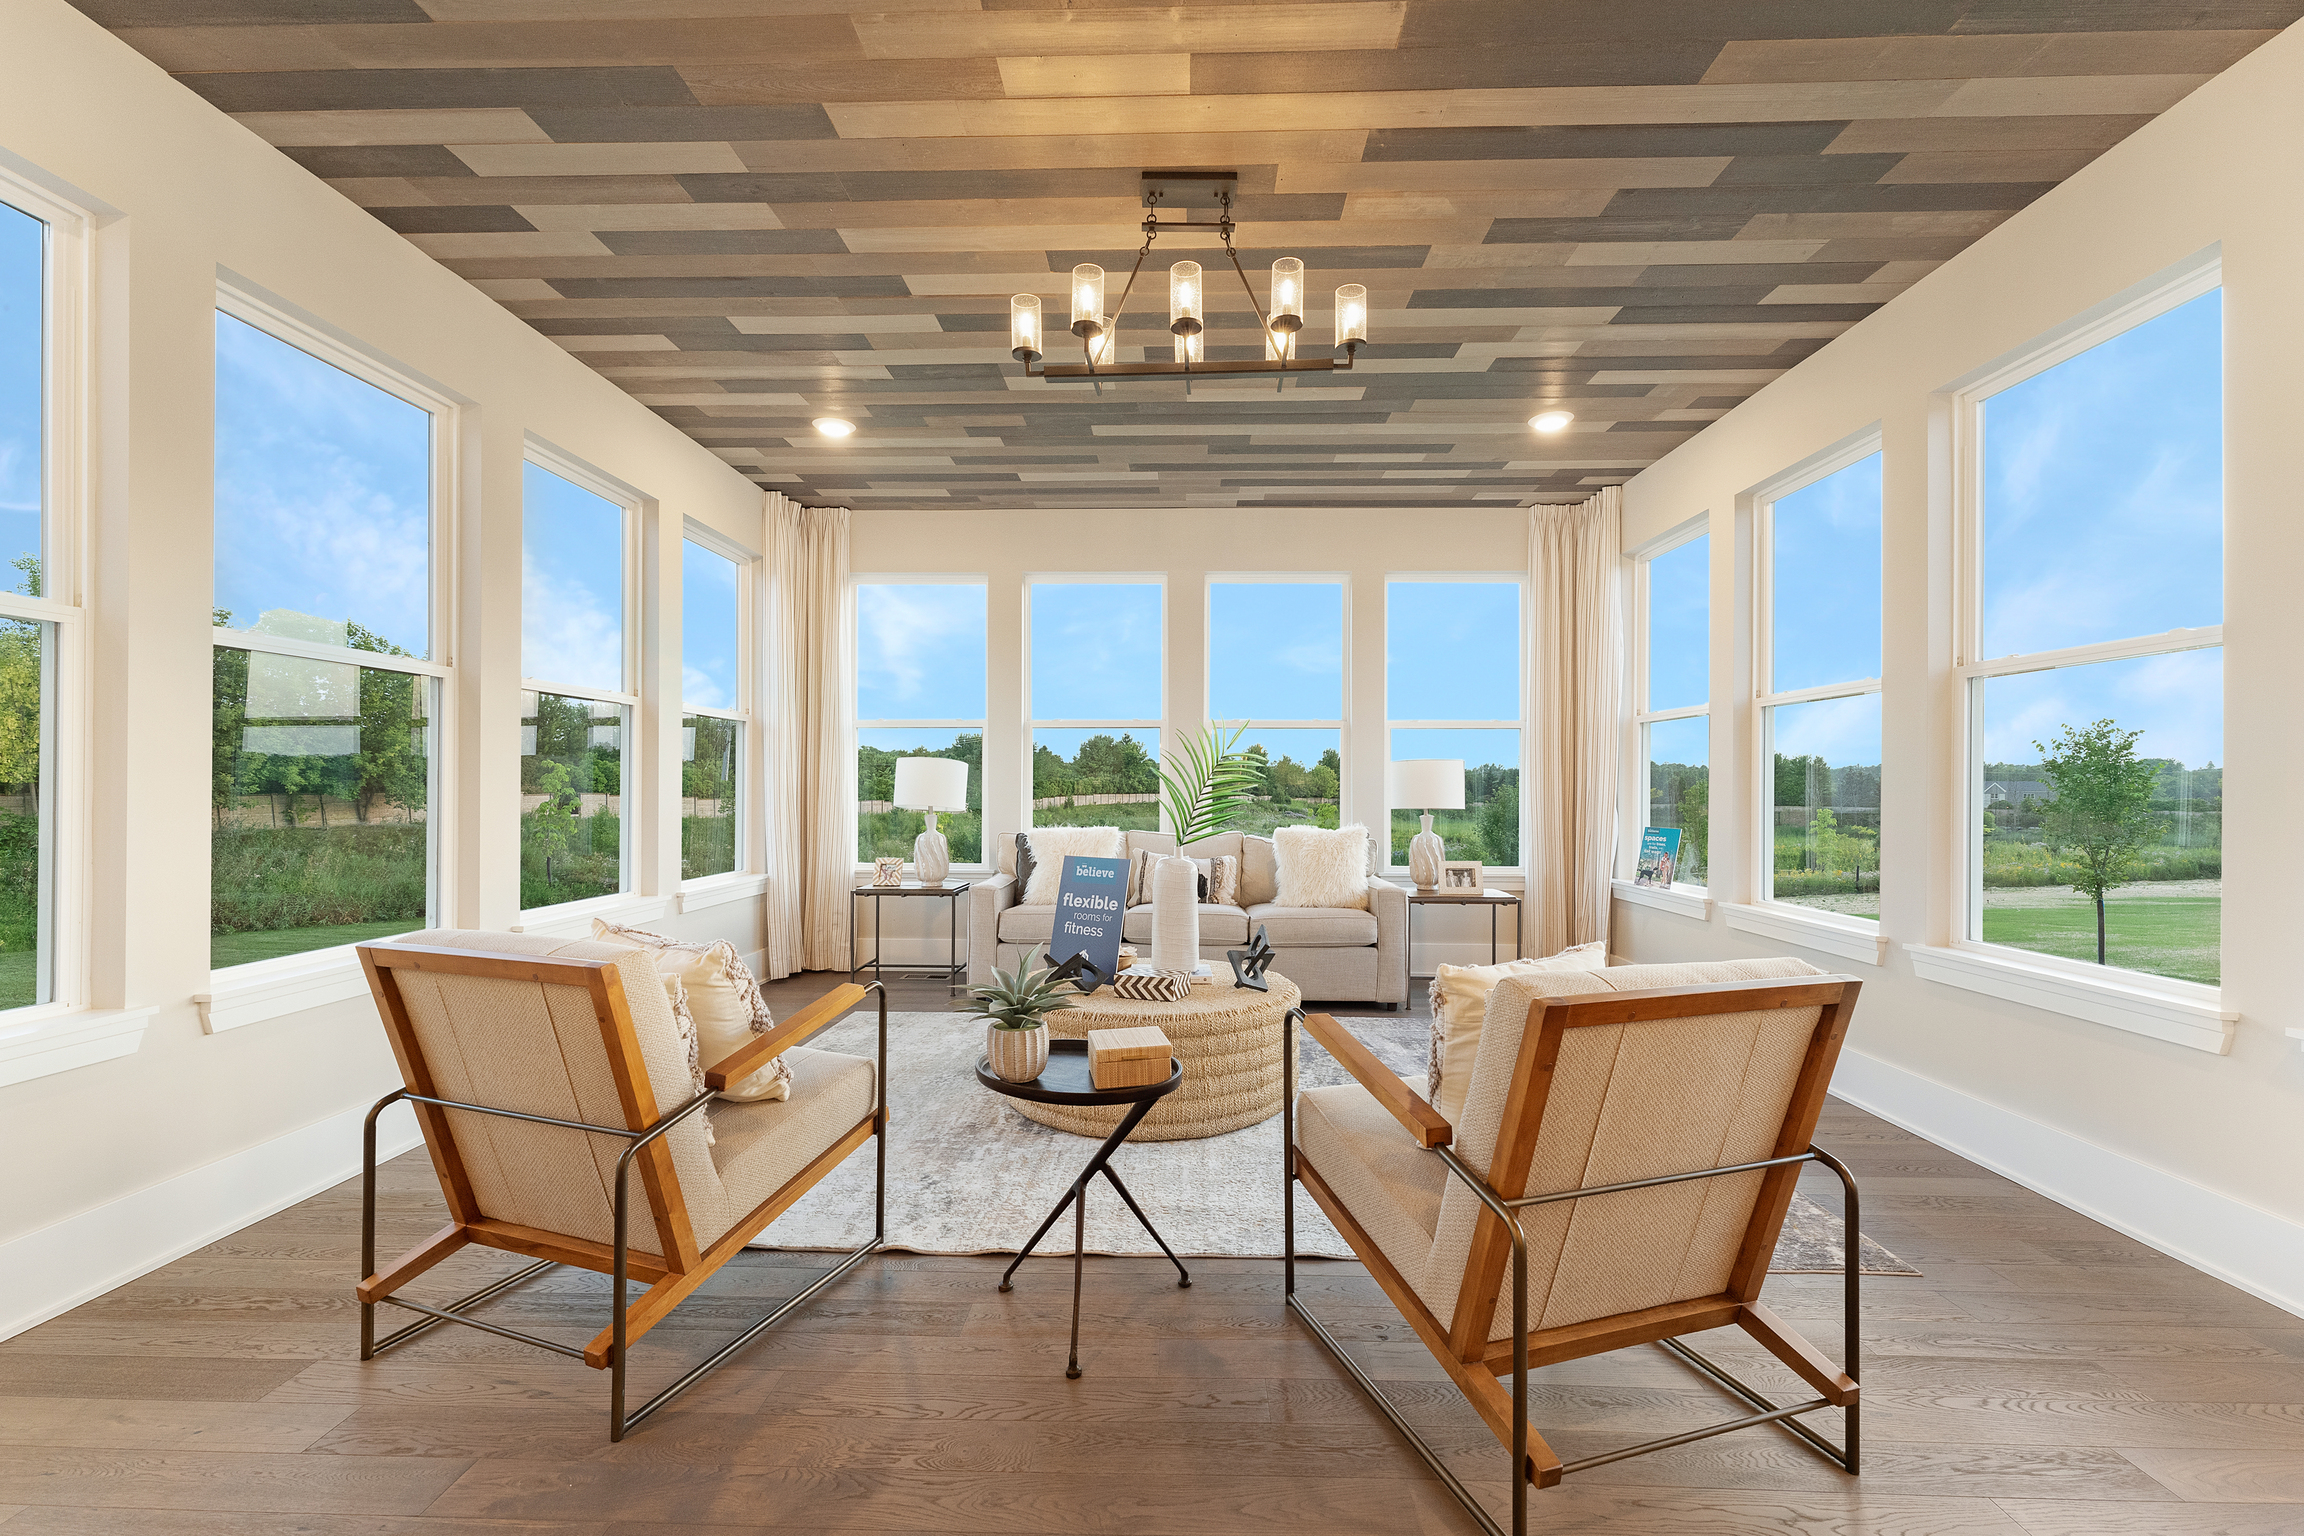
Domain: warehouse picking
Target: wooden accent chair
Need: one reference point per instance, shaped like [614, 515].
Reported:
[1627, 1150]
[544, 1074]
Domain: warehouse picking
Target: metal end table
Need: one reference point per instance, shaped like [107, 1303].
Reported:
[1443, 897]
[1065, 1080]
[954, 971]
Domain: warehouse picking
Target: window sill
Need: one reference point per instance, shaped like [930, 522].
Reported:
[2296, 1035]
[43, 1047]
[2180, 1013]
[1684, 900]
[573, 919]
[1844, 938]
[719, 891]
[239, 998]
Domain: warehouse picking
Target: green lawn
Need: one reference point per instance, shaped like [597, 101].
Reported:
[2163, 935]
[239, 948]
[19, 977]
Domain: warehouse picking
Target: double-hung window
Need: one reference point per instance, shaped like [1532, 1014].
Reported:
[2091, 643]
[919, 693]
[1818, 669]
[1097, 701]
[714, 678]
[1276, 673]
[1452, 692]
[327, 684]
[578, 535]
[1672, 683]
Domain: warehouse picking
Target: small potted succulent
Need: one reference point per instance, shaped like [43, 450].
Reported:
[1015, 1006]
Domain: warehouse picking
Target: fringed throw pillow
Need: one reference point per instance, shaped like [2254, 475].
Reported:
[724, 998]
[1460, 1007]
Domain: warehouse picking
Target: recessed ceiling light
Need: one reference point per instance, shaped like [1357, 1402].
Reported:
[1551, 421]
[833, 426]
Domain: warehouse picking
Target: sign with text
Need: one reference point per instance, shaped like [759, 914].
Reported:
[1090, 903]
[1659, 854]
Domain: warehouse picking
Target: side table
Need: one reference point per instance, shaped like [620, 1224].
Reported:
[1490, 899]
[954, 970]
[1065, 1080]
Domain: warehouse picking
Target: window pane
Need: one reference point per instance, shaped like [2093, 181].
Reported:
[1826, 587]
[1451, 650]
[2104, 490]
[1680, 626]
[26, 663]
[571, 799]
[710, 749]
[1488, 828]
[571, 583]
[323, 500]
[1828, 804]
[1301, 770]
[1680, 788]
[2163, 839]
[1094, 779]
[920, 652]
[1276, 650]
[23, 240]
[321, 781]
[1096, 650]
[883, 831]
[709, 676]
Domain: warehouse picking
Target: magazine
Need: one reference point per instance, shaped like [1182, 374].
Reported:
[1659, 852]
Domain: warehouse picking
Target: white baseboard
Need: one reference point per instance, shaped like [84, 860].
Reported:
[2238, 1243]
[55, 1269]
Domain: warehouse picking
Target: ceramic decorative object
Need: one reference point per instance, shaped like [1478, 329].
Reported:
[1430, 784]
[887, 871]
[1017, 1055]
[931, 784]
[1175, 914]
[1426, 853]
[931, 854]
[1015, 1006]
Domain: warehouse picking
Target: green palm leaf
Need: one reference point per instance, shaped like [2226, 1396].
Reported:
[1209, 783]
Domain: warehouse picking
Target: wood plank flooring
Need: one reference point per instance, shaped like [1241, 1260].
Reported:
[2044, 1377]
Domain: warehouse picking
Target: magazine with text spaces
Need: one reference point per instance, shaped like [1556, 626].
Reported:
[1659, 853]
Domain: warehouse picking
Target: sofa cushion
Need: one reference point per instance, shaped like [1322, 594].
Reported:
[1221, 845]
[1259, 872]
[1313, 927]
[761, 1146]
[1027, 925]
[1322, 867]
[1052, 845]
[1154, 843]
[1218, 925]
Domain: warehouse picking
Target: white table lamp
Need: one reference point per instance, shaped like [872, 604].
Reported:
[931, 784]
[1432, 784]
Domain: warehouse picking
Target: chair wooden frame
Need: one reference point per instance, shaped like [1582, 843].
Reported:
[1463, 1348]
[680, 1265]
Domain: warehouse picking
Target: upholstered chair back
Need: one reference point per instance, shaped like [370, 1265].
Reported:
[1623, 1101]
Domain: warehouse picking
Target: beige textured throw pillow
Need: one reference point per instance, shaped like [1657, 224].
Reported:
[1460, 1007]
[1049, 847]
[1322, 867]
[1219, 881]
[723, 998]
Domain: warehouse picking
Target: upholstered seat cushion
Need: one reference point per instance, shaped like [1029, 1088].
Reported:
[1391, 1186]
[1314, 927]
[1027, 925]
[758, 1147]
[1218, 925]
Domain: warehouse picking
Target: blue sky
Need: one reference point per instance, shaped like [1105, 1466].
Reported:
[2177, 701]
[919, 652]
[571, 583]
[1679, 628]
[708, 627]
[1827, 580]
[21, 240]
[1843, 732]
[1096, 650]
[323, 492]
[1686, 741]
[1276, 650]
[1452, 651]
[1473, 748]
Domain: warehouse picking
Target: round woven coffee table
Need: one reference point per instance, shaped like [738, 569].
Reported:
[1228, 1040]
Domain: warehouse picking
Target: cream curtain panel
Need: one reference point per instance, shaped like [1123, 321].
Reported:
[1576, 658]
[810, 730]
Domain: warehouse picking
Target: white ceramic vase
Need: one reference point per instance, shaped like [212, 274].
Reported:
[1017, 1055]
[1425, 856]
[1175, 914]
[932, 854]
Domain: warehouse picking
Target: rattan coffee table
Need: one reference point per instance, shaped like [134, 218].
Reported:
[1228, 1040]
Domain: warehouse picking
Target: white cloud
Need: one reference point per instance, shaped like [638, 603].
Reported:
[566, 634]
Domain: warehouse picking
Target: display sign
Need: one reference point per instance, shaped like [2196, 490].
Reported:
[1659, 853]
[1091, 901]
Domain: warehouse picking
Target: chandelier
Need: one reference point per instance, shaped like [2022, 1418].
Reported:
[1099, 333]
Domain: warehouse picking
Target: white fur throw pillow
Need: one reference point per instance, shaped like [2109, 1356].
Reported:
[1322, 867]
[1050, 845]
[722, 996]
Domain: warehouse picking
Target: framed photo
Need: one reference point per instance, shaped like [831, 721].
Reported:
[887, 871]
[1461, 876]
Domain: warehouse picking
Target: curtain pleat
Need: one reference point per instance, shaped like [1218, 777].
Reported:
[1575, 570]
[812, 814]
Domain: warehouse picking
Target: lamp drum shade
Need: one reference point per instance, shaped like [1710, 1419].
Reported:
[935, 784]
[1421, 783]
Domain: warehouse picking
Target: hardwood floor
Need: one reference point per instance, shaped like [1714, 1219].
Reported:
[2045, 1377]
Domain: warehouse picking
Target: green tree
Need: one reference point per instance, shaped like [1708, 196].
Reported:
[1500, 825]
[552, 825]
[2102, 811]
[1695, 824]
[1321, 782]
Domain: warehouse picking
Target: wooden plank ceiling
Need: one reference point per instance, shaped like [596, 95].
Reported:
[751, 213]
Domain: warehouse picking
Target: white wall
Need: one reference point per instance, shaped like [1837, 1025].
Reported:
[216, 1129]
[1360, 546]
[2197, 1152]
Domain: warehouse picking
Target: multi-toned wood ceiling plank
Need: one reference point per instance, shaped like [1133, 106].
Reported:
[750, 213]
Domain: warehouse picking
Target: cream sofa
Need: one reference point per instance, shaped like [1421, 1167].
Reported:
[1335, 954]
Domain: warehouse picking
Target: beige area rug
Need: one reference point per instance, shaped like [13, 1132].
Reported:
[967, 1174]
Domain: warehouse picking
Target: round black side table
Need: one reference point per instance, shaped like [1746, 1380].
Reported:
[1065, 1080]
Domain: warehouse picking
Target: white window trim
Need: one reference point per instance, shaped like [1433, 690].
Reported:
[983, 866]
[1341, 725]
[1785, 920]
[1032, 726]
[1678, 898]
[264, 989]
[1681, 895]
[747, 578]
[1520, 661]
[2161, 1007]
